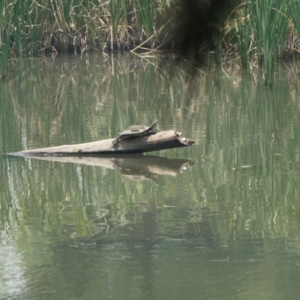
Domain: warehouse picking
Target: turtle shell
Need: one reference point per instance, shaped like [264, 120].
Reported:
[136, 131]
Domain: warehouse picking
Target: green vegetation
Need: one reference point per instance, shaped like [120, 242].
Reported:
[74, 25]
[261, 32]
[257, 31]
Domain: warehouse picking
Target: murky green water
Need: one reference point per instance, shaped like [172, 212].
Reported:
[217, 220]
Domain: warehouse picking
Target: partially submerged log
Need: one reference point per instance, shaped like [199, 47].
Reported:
[158, 141]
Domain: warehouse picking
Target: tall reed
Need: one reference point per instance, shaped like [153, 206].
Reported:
[241, 28]
[67, 24]
[258, 32]
[270, 20]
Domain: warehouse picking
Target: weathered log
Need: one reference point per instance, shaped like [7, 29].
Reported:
[158, 141]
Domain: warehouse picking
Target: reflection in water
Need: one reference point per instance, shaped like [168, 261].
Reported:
[135, 167]
[87, 229]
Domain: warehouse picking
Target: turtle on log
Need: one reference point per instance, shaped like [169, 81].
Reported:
[136, 131]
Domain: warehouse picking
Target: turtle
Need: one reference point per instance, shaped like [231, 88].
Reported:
[136, 131]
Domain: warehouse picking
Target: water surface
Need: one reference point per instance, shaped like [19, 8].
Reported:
[217, 220]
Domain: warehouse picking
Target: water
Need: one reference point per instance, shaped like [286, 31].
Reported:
[217, 220]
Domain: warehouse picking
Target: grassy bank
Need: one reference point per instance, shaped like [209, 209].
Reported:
[31, 28]
[252, 31]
